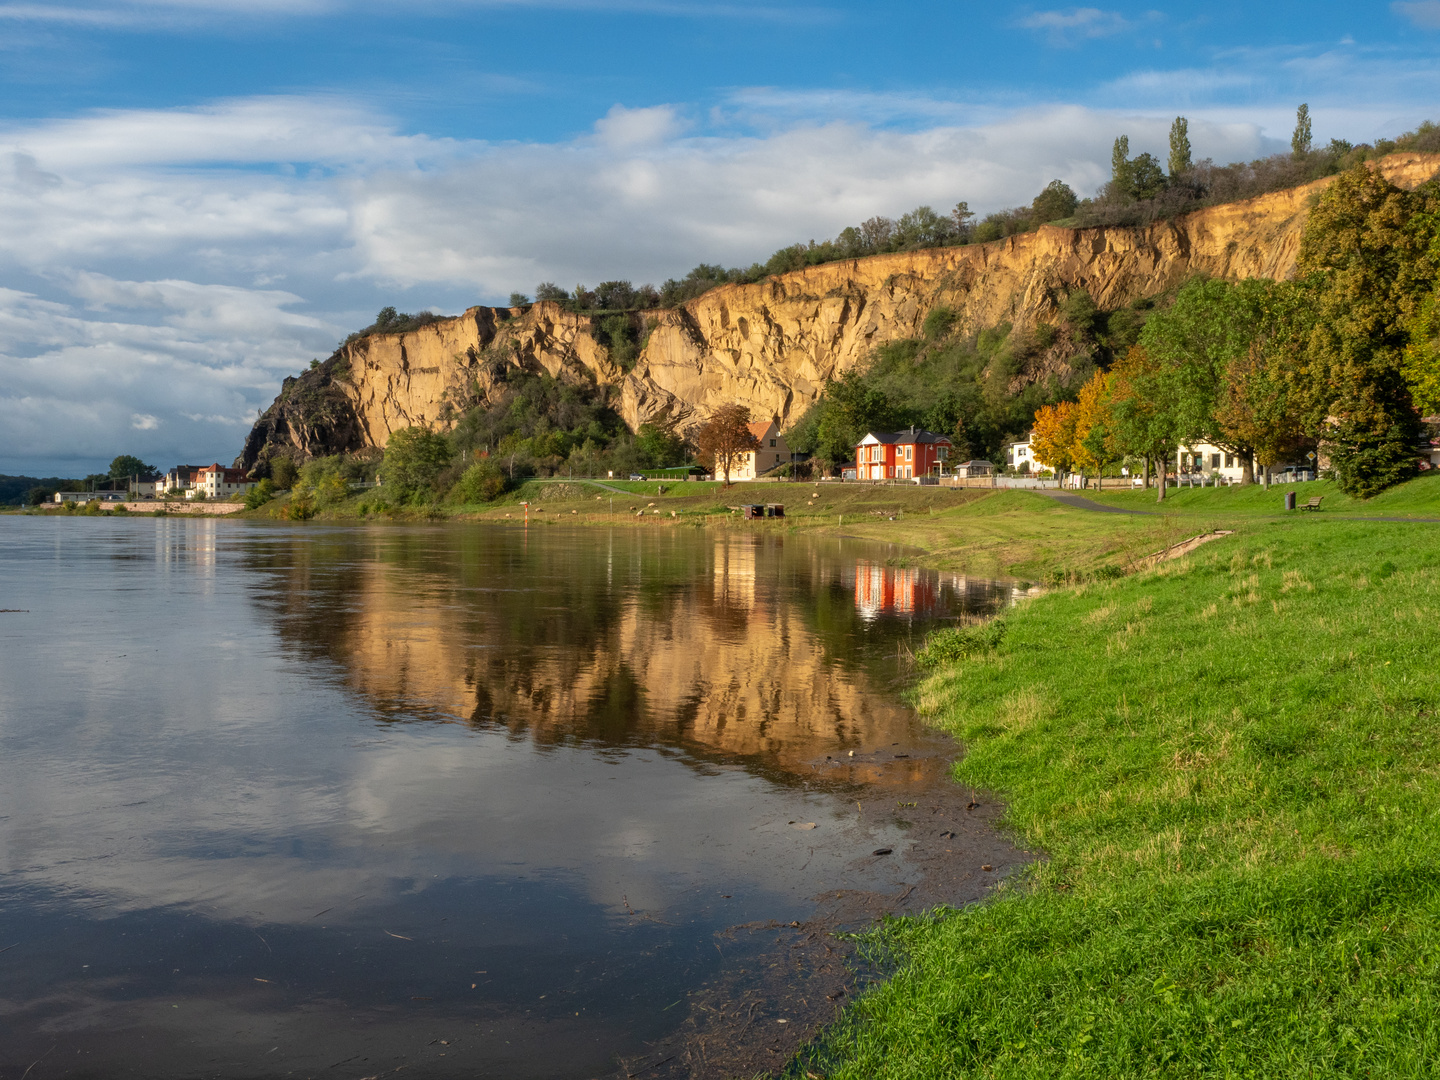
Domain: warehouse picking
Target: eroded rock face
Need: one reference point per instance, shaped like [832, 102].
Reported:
[773, 345]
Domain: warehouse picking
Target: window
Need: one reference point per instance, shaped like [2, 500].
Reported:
[1214, 461]
[909, 453]
[1229, 461]
[772, 444]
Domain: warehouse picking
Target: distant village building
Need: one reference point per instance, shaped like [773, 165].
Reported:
[900, 455]
[218, 482]
[773, 451]
[178, 480]
[978, 467]
[1020, 457]
[146, 485]
[89, 496]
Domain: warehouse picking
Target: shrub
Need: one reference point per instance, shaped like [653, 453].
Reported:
[414, 459]
[954, 643]
[482, 482]
[260, 494]
[284, 472]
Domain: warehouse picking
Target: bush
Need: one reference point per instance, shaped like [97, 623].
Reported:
[284, 472]
[482, 482]
[954, 643]
[414, 459]
[260, 494]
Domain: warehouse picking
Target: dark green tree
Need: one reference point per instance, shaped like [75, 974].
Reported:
[1300, 140]
[414, 459]
[1367, 256]
[659, 445]
[519, 299]
[127, 465]
[1179, 161]
[1057, 201]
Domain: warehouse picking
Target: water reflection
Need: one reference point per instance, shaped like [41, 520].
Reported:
[291, 779]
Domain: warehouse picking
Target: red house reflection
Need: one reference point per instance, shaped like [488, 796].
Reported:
[881, 589]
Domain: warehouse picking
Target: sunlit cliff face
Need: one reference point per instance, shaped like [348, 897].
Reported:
[718, 663]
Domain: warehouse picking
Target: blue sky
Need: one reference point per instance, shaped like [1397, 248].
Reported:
[201, 195]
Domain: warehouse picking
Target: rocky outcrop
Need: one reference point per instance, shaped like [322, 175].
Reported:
[774, 345]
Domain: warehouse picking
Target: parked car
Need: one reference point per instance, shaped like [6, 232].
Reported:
[636, 476]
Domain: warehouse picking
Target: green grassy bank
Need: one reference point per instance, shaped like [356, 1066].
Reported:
[1232, 764]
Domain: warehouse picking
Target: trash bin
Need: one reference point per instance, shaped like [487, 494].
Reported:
[1289, 500]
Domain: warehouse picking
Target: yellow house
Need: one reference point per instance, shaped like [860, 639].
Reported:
[772, 452]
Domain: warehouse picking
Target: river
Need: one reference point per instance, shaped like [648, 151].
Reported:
[465, 800]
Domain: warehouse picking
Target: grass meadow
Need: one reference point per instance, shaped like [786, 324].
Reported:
[1231, 764]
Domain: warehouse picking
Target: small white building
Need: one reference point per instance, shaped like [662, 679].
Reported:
[89, 496]
[1020, 456]
[1212, 461]
[218, 482]
[773, 451]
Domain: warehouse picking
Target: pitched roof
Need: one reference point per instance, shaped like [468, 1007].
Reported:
[910, 435]
[759, 428]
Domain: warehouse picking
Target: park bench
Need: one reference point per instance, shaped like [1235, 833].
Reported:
[1314, 503]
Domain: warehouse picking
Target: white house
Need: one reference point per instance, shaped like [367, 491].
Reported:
[218, 482]
[773, 451]
[1213, 461]
[1020, 456]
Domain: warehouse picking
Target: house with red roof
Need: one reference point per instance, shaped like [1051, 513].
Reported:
[773, 451]
[900, 455]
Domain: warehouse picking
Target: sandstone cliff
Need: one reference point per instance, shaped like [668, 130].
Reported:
[774, 344]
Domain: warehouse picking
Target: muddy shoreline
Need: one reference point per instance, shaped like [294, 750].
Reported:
[782, 983]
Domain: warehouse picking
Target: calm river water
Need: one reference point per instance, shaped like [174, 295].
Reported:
[336, 800]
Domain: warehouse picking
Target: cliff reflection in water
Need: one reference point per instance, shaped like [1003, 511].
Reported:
[732, 648]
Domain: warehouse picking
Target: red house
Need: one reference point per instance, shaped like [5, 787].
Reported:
[900, 455]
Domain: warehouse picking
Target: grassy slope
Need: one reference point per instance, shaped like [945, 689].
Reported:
[1232, 763]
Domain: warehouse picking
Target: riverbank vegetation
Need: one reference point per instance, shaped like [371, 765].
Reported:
[1343, 360]
[1229, 764]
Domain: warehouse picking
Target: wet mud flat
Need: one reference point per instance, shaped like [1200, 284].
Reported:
[781, 983]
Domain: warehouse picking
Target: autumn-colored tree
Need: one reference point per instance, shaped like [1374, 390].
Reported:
[1094, 444]
[1052, 440]
[725, 438]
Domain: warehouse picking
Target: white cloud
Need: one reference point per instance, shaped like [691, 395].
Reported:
[1423, 13]
[1076, 24]
[144, 422]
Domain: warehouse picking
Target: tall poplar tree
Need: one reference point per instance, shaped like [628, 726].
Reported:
[1300, 141]
[1179, 162]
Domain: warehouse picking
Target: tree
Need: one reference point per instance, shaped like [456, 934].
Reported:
[127, 465]
[1369, 259]
[519, 299]
[482, 482]
[1147, 179]
[1140, 414]
[962, 216]
[1057, 201]
[284, 472]
[1052, 440]
[1093, 444]
[725, 437]
[1120, 163]
[548, 290]
[853, 407]
[414, 459]
[1194, 341]
[659, 445]
[1300, 140]
[1179, 161]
